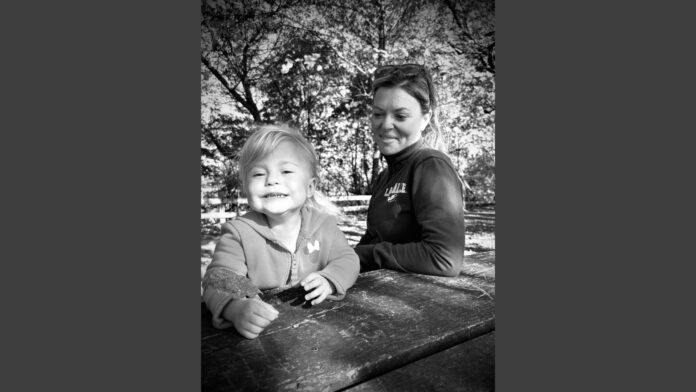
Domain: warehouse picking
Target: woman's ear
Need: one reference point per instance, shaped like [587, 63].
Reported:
[426, 120]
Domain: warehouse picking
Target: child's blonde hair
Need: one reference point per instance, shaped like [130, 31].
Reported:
[266, 139]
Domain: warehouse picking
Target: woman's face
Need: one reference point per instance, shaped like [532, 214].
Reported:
[397, 120]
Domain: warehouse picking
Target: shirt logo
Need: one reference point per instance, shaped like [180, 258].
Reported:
[312, 247]
[391, 192]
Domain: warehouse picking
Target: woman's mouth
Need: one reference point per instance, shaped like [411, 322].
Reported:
[387, 138]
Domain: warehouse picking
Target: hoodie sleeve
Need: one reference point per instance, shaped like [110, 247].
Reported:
[343, 264]
[439, 209]
[225, 279]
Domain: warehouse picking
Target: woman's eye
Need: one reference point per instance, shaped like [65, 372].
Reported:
[257, 174]
[376, 115]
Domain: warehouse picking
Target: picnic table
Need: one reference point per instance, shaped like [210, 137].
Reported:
[393, 331]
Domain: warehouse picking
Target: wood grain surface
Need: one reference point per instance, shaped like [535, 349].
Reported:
[388, 320]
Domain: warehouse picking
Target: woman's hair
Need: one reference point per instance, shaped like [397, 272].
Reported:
[416, 81]
[265, 140]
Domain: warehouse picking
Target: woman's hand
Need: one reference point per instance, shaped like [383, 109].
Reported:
[250, 316]
[318, 286]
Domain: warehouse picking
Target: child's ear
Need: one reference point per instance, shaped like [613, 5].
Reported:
[311, 187]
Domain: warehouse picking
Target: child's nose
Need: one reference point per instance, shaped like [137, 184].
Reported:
[272, 179]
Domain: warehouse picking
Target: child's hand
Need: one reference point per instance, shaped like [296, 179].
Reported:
[250, 316]
[319, 286]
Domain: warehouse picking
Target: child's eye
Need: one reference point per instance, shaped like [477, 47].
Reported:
[287, 171]
[256, 174]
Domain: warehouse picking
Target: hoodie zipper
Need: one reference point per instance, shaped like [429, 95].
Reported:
[293, 263]
[293, 267]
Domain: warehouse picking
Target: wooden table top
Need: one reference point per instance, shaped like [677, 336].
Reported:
[466, 367]
[387, 320]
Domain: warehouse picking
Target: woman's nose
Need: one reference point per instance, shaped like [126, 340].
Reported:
[387, 122]
[384, 123]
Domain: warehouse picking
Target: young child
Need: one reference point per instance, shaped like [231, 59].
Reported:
[288, 238]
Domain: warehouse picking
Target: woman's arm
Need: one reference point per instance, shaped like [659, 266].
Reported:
[437, 201]
[364, 250]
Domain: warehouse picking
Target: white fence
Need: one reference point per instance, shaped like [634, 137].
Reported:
[221, 204]
[222, 215]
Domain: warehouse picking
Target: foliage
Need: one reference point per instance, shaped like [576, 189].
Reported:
[309, 64]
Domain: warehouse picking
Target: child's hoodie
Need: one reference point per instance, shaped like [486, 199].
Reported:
[248, 248]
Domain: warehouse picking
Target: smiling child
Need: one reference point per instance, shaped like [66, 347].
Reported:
[289, 237]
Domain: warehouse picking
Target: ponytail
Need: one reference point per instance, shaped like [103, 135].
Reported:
[432, 137]
[323, 204]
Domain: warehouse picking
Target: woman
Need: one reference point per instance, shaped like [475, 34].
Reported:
[415, 220]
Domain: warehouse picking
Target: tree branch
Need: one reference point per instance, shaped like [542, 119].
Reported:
[210, 137]
[247, 103]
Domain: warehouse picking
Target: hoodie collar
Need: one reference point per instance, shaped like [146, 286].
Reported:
[311, 220]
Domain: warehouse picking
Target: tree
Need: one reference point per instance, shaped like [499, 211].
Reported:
[367, 32]
[237, 39]
[475, 31]
[310, 64]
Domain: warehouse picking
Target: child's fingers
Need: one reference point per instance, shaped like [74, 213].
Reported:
[259, 321]
[318, 292]
[264, 310]
[252, 327]
[267, 313]
[309, 278]
[313, 294]
[321, 298]
[312, 284]
[248, 330]
[270, 309]
[248, 334]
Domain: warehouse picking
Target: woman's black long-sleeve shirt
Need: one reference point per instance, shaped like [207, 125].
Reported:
[415, 220]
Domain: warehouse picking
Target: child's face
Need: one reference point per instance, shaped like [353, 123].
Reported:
[279, 184]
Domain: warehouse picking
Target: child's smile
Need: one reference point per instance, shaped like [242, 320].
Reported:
[275, 195]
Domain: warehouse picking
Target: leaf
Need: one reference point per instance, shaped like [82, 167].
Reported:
[286, 67]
